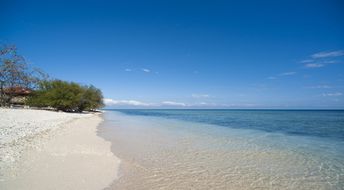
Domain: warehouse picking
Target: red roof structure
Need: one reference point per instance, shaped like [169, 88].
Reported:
[18, 91]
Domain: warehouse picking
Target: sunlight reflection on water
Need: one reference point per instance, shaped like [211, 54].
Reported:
[160, 153]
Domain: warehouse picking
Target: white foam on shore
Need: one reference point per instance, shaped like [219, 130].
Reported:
[53, 150]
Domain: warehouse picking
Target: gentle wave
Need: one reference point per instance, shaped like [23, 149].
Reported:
[162, 152]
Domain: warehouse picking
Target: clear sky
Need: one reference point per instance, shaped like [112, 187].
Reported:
[188, 54]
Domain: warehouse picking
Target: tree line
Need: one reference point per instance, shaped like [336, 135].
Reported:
[16, 73]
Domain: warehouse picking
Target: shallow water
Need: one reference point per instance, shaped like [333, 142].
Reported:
[176, 151]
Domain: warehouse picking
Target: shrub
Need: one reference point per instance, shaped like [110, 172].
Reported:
[91, 98]
[66, 96]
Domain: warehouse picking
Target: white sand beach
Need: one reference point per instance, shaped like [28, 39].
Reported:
[53, 150]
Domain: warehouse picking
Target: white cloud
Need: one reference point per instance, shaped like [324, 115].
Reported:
[326, 54]
[200, 95]
[307, 61]
[128, 70]
[204, 104]
[111, 102]
[135, 103]
[322, 59]
[170, 103]
[281, 74]
[243, 105]
[287, 74]
[271, 78]
[332, 94]
[321, 86]
[314, 65]
[329, 61]
[146, 70]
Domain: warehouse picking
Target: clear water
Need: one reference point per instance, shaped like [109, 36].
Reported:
[319, 123]
[227, 149]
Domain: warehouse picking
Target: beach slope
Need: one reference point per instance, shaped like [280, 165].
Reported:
[65, 154]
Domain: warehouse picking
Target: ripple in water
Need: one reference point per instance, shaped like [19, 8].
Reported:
[159, 153]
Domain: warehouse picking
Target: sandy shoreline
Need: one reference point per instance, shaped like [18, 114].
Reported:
[50, 150]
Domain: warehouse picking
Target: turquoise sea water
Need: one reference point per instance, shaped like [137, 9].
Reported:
[227, 149]
[319, 123]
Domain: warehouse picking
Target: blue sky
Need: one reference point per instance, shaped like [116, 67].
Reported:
[188, 54]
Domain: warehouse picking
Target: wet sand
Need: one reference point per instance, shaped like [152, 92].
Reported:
[168, 154]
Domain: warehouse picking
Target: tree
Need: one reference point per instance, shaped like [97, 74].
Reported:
[14, 73]
[66, 96]
[91, 98]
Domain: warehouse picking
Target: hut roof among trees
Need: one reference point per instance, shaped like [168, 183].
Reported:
[18, 91]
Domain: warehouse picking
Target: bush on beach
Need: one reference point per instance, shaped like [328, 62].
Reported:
[66, 96]
[24, 85]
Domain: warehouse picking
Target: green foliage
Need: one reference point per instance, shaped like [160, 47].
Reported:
[91, 98]
[66, 96]
[15, 73]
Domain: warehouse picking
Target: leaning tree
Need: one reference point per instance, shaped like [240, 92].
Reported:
[14, 73]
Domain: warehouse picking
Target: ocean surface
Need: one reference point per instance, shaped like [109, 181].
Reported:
[227, 149]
